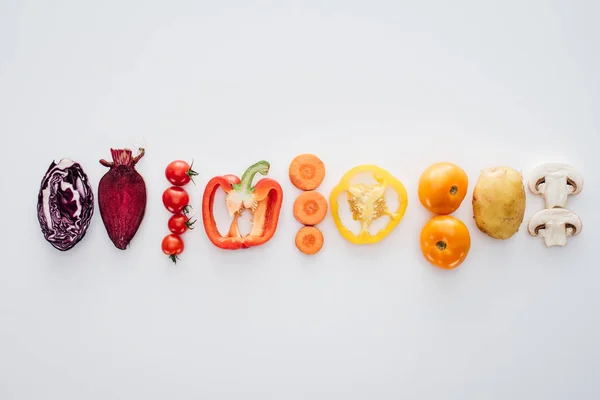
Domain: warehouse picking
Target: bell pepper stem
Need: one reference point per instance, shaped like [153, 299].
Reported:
[261, 167]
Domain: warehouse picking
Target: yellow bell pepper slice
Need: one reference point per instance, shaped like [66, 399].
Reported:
[367, 203]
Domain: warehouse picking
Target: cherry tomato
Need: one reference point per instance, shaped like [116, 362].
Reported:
[175, 199]
[172, 245]
[179, 224]
[445, 241]
[179, 172]
[443, 187]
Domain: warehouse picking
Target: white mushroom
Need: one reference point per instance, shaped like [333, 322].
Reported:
[554, 225]
[555, 182]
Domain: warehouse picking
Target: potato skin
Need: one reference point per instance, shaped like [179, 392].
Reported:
[499, 202]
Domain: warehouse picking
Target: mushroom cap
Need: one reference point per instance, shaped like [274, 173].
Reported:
[539, 174]
[555, 215]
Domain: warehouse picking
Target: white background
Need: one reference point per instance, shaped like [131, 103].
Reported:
[399, 84]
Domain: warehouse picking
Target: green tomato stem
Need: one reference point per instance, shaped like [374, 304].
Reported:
[191, 173]
[190, 224]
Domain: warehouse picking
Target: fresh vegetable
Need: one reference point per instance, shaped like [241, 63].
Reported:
[555, 225]
[499, 202]
[555, 182]
[172, 245]
[445, 241]
[442, 188]
[176, 199]
[307, 171]
[122, 197]
[367, 203]
[180, 173]
[180, 223]
[65, 204]
[310, 208]
[263, 200]
[309, 240]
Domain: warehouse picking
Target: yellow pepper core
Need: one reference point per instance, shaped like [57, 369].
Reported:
[367, 203]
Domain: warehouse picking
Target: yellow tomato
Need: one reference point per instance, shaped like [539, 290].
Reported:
[445, 241]
[443, 187]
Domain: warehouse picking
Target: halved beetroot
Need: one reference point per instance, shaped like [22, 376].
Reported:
[122, 197]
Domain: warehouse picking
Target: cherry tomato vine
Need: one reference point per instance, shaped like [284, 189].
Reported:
[176, 200]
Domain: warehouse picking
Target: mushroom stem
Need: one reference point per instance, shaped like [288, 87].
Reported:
[556, 191]
[555, 233]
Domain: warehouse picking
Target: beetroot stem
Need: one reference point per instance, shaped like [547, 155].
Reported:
[139, 156]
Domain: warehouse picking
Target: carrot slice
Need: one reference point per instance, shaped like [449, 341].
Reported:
[307, 171]
[310, 208]
[309, 240]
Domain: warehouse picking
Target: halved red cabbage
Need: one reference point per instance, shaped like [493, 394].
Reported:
[65, 204]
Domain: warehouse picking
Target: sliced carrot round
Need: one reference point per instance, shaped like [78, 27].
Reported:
[310, 208]
[307, 171]
[309, 240]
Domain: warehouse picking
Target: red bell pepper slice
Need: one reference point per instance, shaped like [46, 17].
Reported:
[263, 200]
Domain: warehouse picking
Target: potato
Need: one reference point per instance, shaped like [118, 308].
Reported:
[499, 202]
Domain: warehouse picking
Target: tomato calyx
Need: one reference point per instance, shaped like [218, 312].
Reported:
[191, 173]
[174, 258]
[441, 245]
[453, 190]
[190, 224]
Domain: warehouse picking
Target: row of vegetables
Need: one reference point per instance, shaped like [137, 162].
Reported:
[66, 205]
